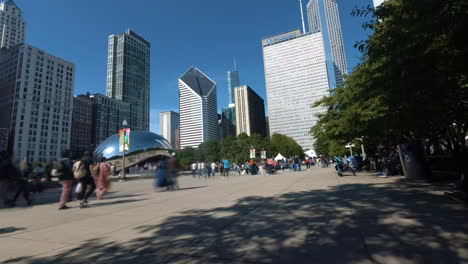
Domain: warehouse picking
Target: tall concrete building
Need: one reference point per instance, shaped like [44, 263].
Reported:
[36, 95]
[108, 117]
[95, 118]
[250, 112]
[169, 124]
[324, 17]
[296, 77]
[12, 25]
[198, 108]
[82, 126]
[128, 76]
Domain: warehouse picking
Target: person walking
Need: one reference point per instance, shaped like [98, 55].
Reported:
[307, 161]
[102, 179]
[161, 174]
[10, 174]
[226, 167]
[63, 170]
[19, 178]
[200, 169]
[213, 169]
[86, 180]
[352, 164]
[194, 169]
[207, 170]
[172, 172]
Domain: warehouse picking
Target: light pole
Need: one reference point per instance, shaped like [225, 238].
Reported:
[350, 146]
[123, 178]
[362, 147]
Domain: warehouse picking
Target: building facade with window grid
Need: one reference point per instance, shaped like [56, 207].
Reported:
[250, 112]
[197, 108]
[128, 76]
[296, 77]
[108, 117]
[82, 126]
[12, 24]
[169, 125]
[42, 88]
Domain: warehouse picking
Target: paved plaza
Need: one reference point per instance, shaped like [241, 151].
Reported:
[304, 217]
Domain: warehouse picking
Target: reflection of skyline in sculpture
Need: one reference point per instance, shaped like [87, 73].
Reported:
[141, 142]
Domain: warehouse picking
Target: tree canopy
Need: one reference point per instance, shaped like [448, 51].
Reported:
[411, 83]
[236, 149]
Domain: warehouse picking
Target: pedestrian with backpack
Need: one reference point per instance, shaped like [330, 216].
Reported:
[82, 172]
[63, 170]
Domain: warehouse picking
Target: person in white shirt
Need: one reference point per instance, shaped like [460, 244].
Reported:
[213, 169]
[194, 169]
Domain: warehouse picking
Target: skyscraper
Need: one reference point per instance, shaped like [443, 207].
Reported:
[36, 95]
[82, 126]
[378, 2]
[233, 82]
[95, 118]
[108, 116]
[250, 112]
[228, 120]
[324, 17]
[296, 77]
[198, 108]
[12, 25]
[169, 124]
[128, 76]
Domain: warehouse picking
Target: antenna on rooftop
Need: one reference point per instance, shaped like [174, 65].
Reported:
[302, 17]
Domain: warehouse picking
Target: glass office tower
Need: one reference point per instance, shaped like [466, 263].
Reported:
[128, 76]
[324, 17]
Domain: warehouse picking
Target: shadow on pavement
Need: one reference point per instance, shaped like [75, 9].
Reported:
[93, 205]
[10, 229]
[351, 223]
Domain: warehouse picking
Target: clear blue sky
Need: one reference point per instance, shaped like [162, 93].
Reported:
[204, 33]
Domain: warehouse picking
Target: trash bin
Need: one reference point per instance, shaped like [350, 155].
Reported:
[414, 159]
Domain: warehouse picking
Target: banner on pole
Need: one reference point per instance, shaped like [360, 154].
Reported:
[252, 153]
[264, 154]
[124, 135]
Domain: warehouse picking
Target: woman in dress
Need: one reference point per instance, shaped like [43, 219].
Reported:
[102, 179]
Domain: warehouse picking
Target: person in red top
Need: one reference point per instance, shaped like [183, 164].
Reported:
[307, 162]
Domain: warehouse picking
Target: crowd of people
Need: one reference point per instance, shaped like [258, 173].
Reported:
[208, 170]
[85, 175]
[88, 176]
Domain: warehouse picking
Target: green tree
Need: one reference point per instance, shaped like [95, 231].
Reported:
[210, 151]
[412, 81]
[285, 145]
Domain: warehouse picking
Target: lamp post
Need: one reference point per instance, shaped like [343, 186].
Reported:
[361, 139]
[350, 146]
[123, 178]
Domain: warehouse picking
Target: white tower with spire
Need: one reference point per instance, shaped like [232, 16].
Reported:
[378, 3]
[12, 24]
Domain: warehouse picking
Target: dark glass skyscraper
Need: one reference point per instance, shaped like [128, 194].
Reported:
[128, 76]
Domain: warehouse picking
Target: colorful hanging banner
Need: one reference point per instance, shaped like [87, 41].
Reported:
[252, 153]
[124, 135]
[264, 154]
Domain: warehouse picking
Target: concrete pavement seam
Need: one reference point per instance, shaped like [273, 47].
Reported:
[356, 221]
